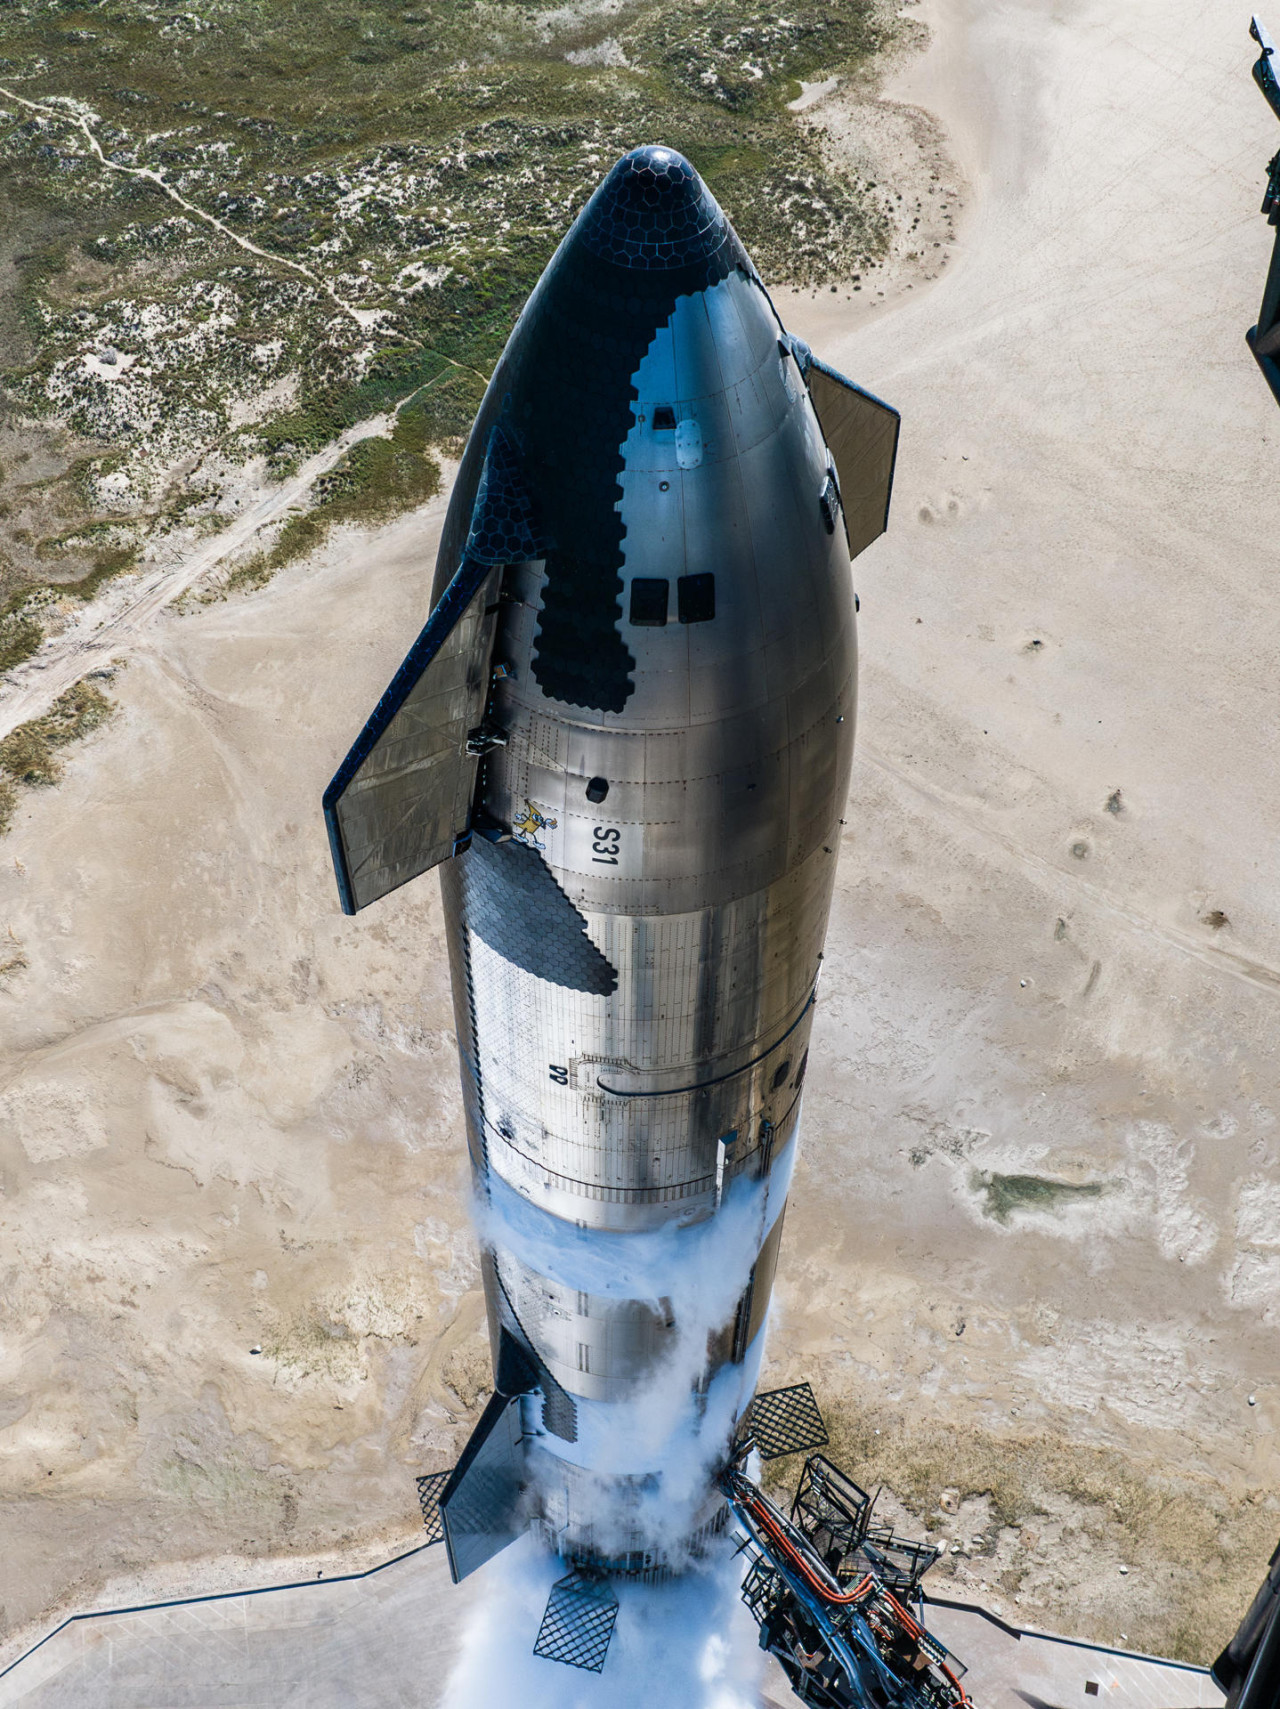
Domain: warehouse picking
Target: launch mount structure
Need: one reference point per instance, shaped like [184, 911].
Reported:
[837, 1596]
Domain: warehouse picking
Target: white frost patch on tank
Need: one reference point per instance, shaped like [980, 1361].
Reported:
[668, 1426]
[672, 1262]
[690, 1643]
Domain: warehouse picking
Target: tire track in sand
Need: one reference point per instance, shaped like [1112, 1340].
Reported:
[1223, 961]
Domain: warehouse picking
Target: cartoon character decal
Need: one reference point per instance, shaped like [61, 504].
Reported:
[525, 828]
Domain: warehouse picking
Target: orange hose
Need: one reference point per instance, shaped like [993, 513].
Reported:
[842, 1598]
[917, 1631]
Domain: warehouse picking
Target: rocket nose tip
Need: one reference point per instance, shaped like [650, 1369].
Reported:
[663, 169]
[653, 211]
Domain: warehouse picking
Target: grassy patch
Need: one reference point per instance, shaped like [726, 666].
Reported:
[20, 637]
[375, 481]
[29, 754]
[408, 173]
[1005, 1194]
[1198, 1548]
[21, 631]
[113, 562]
[106, 564]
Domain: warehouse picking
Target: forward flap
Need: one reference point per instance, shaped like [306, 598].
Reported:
[402, 797]
[401, 800]
[862, 436]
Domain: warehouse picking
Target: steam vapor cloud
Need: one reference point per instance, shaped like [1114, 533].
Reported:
[688, 1644]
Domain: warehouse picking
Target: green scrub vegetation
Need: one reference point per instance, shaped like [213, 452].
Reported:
[405, 174]
[1005, 1194]
[28, 755]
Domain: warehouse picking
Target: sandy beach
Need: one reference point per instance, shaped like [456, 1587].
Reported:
[1036, 1225]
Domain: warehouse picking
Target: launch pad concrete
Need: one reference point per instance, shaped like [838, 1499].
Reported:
[386, 1640]
[1013, 1669]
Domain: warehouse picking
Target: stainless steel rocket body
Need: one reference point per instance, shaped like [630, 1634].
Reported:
[625, 736]
[682, 796]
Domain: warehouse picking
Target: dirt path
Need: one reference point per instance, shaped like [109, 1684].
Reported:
[66, 114]
[110, 626]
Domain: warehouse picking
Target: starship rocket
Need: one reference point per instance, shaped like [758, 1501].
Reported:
[625, 736]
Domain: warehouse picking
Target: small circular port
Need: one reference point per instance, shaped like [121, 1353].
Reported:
[597, 789]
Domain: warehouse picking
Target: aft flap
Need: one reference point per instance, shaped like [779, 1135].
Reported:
[483, 1503]
[862, 436]
[401, 800]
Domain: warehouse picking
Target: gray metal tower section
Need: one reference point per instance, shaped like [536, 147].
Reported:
[636, 967]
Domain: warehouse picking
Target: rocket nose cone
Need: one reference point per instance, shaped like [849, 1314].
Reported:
[653, 212]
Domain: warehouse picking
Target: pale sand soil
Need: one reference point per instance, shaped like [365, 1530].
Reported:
[1088, 461]
[231, 1117]
[232, 1120]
